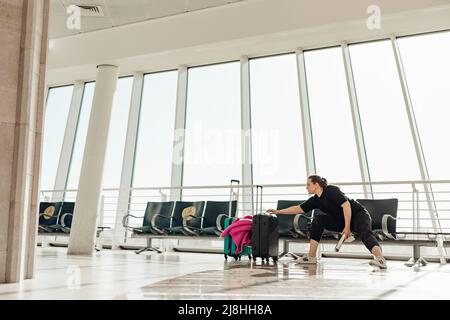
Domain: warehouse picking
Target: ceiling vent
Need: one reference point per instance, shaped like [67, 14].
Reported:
[91, 11]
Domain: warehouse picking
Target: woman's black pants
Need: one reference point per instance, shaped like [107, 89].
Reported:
[361, 225]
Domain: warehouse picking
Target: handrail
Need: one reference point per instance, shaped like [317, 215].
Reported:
[399, 182]
[112, 210]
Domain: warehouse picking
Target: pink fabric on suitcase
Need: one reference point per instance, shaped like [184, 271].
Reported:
[241, 232]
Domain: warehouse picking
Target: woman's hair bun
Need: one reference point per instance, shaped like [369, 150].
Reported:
[318, 179]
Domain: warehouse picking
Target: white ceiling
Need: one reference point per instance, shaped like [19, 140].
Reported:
[121, 12]
[247, 28]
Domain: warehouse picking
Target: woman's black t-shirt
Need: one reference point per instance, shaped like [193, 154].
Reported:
[330, 202]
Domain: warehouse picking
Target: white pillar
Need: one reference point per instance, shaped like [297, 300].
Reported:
[246, 138]
[84, 223]
[308, 144]
[179, 135]
[23, 33]
[357, 124]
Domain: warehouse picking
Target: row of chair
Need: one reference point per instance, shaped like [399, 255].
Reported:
[383, 213]
[55, 217]
[183, 218]
[207, 218]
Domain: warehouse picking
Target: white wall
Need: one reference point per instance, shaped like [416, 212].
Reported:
[253, 28]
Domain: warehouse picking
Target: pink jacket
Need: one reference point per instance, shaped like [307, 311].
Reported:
[241, 232]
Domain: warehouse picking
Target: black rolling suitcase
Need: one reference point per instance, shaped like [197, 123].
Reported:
[264, 233]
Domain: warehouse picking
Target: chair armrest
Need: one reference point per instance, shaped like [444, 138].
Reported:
[43, 229]
[63, 225]
[219, 221]
[296, 222]
[103, 228]
[384, 226]
[187, 228]
[153, 223]
[302, 216]
[125, 220]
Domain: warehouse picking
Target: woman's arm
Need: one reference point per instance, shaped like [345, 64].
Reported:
[291, 210]
[347, 217]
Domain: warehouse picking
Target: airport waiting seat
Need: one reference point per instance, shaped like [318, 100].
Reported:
[49, 217]
[288, 224]
[213, 219]
[182, 211]
[384, 216]
[299, 225]
[67, 211]
[156, 214]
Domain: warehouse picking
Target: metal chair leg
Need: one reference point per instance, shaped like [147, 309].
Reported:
[141, 250]
[148, 249]
[155, 249]
[416, 259]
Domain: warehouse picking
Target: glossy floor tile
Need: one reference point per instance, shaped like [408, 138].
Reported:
[125, 275]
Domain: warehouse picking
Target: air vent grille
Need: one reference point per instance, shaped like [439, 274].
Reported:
[91, 11]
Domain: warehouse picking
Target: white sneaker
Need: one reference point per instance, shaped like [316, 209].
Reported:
[379, 262]
[307, 260]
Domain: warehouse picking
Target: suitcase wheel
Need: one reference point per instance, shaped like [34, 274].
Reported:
[235, 257]
[249, 257]
[275, 259]
[226, 256]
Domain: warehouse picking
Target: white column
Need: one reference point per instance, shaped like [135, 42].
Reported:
[179, 137]
[357, 125]
[246, 140]
[306, 115]
[128, 159]
[84, 223]
[23, 34]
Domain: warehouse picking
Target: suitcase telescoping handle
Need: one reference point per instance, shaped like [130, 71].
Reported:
[230, 205]
[259, 195]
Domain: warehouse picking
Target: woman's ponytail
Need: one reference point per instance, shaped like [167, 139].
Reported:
[318, 179]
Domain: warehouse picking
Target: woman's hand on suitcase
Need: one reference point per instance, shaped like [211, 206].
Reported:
[347, 232]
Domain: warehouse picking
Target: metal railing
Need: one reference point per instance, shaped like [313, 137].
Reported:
[424, 206]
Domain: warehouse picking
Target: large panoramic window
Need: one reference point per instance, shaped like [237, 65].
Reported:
[153, 162]
[117, 133]
[56, 114]
[388, 138]
[153, 159]
[278, 152]
[80, 137]
[427, 68]
[213, 127]
[333, 134]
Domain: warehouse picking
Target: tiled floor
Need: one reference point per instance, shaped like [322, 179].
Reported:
[125, 275]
